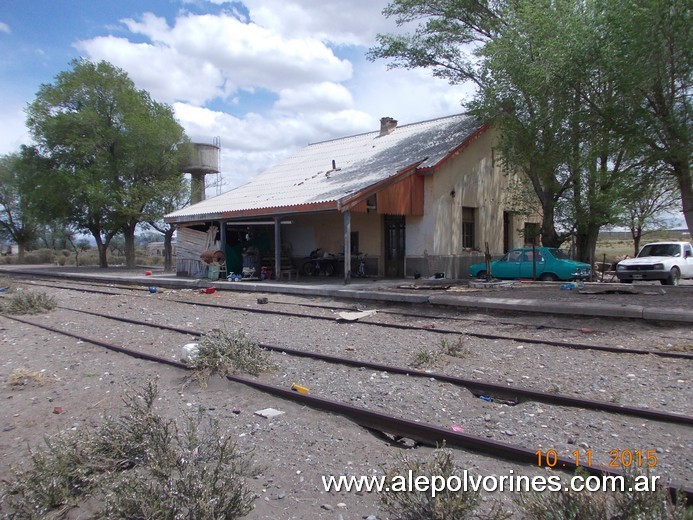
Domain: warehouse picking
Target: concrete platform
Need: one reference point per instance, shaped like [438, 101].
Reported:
[642, 302]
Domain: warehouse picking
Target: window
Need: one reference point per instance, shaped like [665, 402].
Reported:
[512, 256]
[468, 227]
[529, 256]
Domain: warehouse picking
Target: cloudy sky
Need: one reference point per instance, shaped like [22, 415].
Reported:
[265, 76]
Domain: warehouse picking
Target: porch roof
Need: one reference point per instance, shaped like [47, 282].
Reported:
[321, 176]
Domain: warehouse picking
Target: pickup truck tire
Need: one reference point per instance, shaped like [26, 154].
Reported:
[674, 277]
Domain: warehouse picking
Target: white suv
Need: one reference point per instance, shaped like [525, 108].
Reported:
[667, 262]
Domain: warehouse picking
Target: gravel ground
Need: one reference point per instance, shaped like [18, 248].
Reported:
[298, 447]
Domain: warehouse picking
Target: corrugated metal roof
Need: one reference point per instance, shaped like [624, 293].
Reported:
[307, 178]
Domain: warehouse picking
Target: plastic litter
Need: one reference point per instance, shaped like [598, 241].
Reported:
[190, 351]
[300, 389]
[572, 285]
[152, 289]
[147, 273]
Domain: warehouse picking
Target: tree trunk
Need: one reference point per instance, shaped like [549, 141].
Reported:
[636, 233]
[21, 252]
[683, 175]
[549, 236]
[586, 244]
[129, 235]
[102, 249]
[168, 249]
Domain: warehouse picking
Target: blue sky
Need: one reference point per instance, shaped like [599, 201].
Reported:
[265, 76]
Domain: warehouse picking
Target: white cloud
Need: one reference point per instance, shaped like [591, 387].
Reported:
[203, 57]
[406, 95]
[255, 142]
[322, 97]
[292, 53]
[5, 28]
[342, 22]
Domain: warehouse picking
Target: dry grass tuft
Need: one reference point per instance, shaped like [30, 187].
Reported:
[22, 377]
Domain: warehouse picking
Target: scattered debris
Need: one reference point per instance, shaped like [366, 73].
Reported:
[353, 316]
[608, 289]
[269, 413]
[262, 301]
[495, 285]
[425, 286]
[300, 389]
[189, 352]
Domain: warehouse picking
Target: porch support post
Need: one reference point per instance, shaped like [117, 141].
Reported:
[277, 249]
[347, 247]
[222, 235]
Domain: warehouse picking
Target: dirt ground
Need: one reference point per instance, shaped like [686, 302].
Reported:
[81, 383]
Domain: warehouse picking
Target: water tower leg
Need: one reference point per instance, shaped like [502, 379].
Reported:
[197, 187]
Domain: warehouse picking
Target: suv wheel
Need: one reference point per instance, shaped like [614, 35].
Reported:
[674, 277]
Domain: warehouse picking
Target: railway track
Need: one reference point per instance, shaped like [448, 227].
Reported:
[511, 394]
[424, 433]
[434, 330]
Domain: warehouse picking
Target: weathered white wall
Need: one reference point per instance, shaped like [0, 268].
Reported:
[477, 183]
[434, 241]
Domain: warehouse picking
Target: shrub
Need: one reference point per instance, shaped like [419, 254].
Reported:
[27, 302]
[626, 505]
[40, 256]
[197, 475]
[445, 505]
[141, 466]
[224, 353]
[425, 358]
[456, 349]
[429, 358]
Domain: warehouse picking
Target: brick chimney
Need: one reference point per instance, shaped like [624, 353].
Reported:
[387, 126]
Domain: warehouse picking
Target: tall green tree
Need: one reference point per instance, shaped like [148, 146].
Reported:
[501, 47]
[19, 218]
[112, 148]
[549, 71]
[651, 60]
